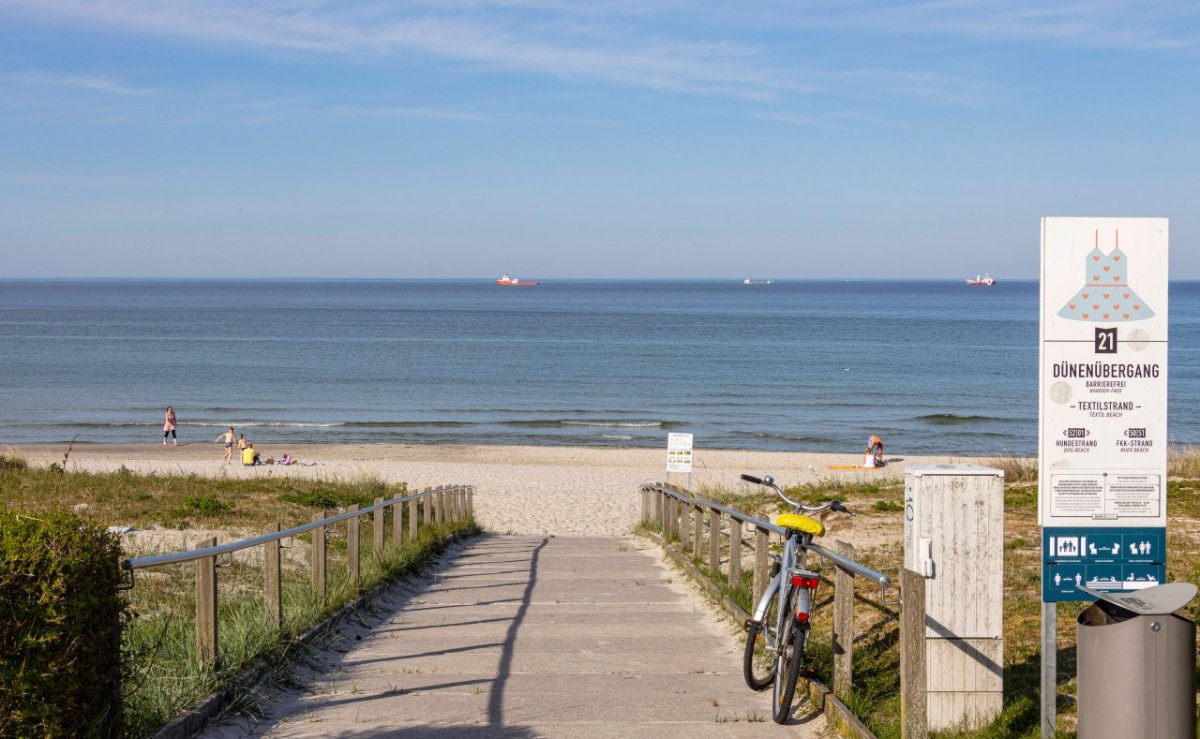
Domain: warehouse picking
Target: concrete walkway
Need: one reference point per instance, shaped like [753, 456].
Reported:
[531, 637]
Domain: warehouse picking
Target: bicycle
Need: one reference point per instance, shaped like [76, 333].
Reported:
[781, 618]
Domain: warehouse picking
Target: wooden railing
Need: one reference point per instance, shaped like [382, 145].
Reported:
[443, 504]
[716, 535]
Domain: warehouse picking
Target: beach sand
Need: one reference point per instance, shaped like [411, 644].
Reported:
[562, 491]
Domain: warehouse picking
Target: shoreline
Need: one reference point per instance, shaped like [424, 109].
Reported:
[559, 490]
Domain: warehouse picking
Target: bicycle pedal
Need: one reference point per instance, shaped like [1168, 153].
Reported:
[750, 624]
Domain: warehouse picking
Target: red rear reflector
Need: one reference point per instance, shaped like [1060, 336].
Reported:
[805, 582]
[802, 616]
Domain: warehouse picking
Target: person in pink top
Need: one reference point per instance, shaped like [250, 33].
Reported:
[169, 427]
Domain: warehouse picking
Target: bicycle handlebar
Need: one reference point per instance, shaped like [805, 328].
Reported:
[829, 505]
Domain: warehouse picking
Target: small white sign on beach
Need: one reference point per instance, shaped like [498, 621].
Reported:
[1103, 372]
[679, 453]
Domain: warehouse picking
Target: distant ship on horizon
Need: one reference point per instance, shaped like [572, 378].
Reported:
[749, 281]
[508, 279]
[985, 280]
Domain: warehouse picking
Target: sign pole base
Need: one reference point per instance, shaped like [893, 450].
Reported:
[1049, 690]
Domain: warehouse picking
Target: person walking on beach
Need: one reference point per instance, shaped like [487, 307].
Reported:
[227, 437]
[169, 427]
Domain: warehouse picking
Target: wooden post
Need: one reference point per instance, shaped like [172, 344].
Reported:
[843, 626]
[714, 542]
[697, 531]
[440, 506]
[761, 563]
[658, 508]
[272, 577]
[352, 562]
[377, 529]
[685, 528]
[413, 518]
[206, 606]
[427, 507]
[397, 524]
[454, 503]
[914, 722]
[735, 554]
[318, 558]
[471, 501]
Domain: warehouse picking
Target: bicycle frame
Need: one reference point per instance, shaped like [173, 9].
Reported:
[795, 544]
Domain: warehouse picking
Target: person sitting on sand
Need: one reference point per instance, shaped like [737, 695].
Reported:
[874, 455]
[227, 437]
[249, 456]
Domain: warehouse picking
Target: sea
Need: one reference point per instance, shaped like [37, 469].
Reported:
[935, 367]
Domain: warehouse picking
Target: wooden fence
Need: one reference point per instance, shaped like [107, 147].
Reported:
[443, 504]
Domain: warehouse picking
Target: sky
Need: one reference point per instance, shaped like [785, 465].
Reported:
[590, 139]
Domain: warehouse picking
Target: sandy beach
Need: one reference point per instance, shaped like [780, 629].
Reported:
[564, 491]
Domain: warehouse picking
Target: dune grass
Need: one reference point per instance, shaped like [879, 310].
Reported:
[162, 673]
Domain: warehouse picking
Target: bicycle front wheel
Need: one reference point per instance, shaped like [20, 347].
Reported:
[758, 664]
[788, 664]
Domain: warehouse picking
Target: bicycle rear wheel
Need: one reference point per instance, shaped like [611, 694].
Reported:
[788, 663]
[758, 670]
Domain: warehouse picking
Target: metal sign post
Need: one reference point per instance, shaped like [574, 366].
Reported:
[1102, 431]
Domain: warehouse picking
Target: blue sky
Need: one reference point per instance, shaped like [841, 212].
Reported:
[462, 138]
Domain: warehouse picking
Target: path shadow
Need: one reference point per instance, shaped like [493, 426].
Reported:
[335, 651]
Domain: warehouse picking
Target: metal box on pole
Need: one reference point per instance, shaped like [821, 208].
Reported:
[954, 537]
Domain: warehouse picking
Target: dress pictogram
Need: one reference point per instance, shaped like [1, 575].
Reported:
[1106, 296]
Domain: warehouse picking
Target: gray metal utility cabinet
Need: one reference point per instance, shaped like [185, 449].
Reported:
[954, 538]
[1137, 665]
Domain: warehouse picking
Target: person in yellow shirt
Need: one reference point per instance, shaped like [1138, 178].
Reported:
[249, 456]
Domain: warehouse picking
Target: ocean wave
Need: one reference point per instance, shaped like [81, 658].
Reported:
[953, 419]
[621, 424]
[407, 424]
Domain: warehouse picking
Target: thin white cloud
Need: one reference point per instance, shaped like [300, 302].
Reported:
[40, 78]
[547, 43]
[1104, 24]
[798, 119]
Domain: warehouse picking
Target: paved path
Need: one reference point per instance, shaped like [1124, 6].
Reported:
[531, 637]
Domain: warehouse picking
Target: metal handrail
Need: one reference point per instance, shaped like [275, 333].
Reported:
[159, 560]
[844, 562]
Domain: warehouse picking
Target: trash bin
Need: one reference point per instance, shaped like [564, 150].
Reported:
[1137, 665]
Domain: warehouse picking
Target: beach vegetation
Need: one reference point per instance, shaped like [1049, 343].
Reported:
[1015, 469]
[61, 615]
[159, 672]
[12, 462]
[1184, 463]
[206, 505]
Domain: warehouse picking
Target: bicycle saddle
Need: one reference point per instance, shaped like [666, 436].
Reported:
[800, 523]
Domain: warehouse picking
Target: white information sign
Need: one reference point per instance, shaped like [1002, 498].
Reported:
[679, 453]
[1103, 372]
